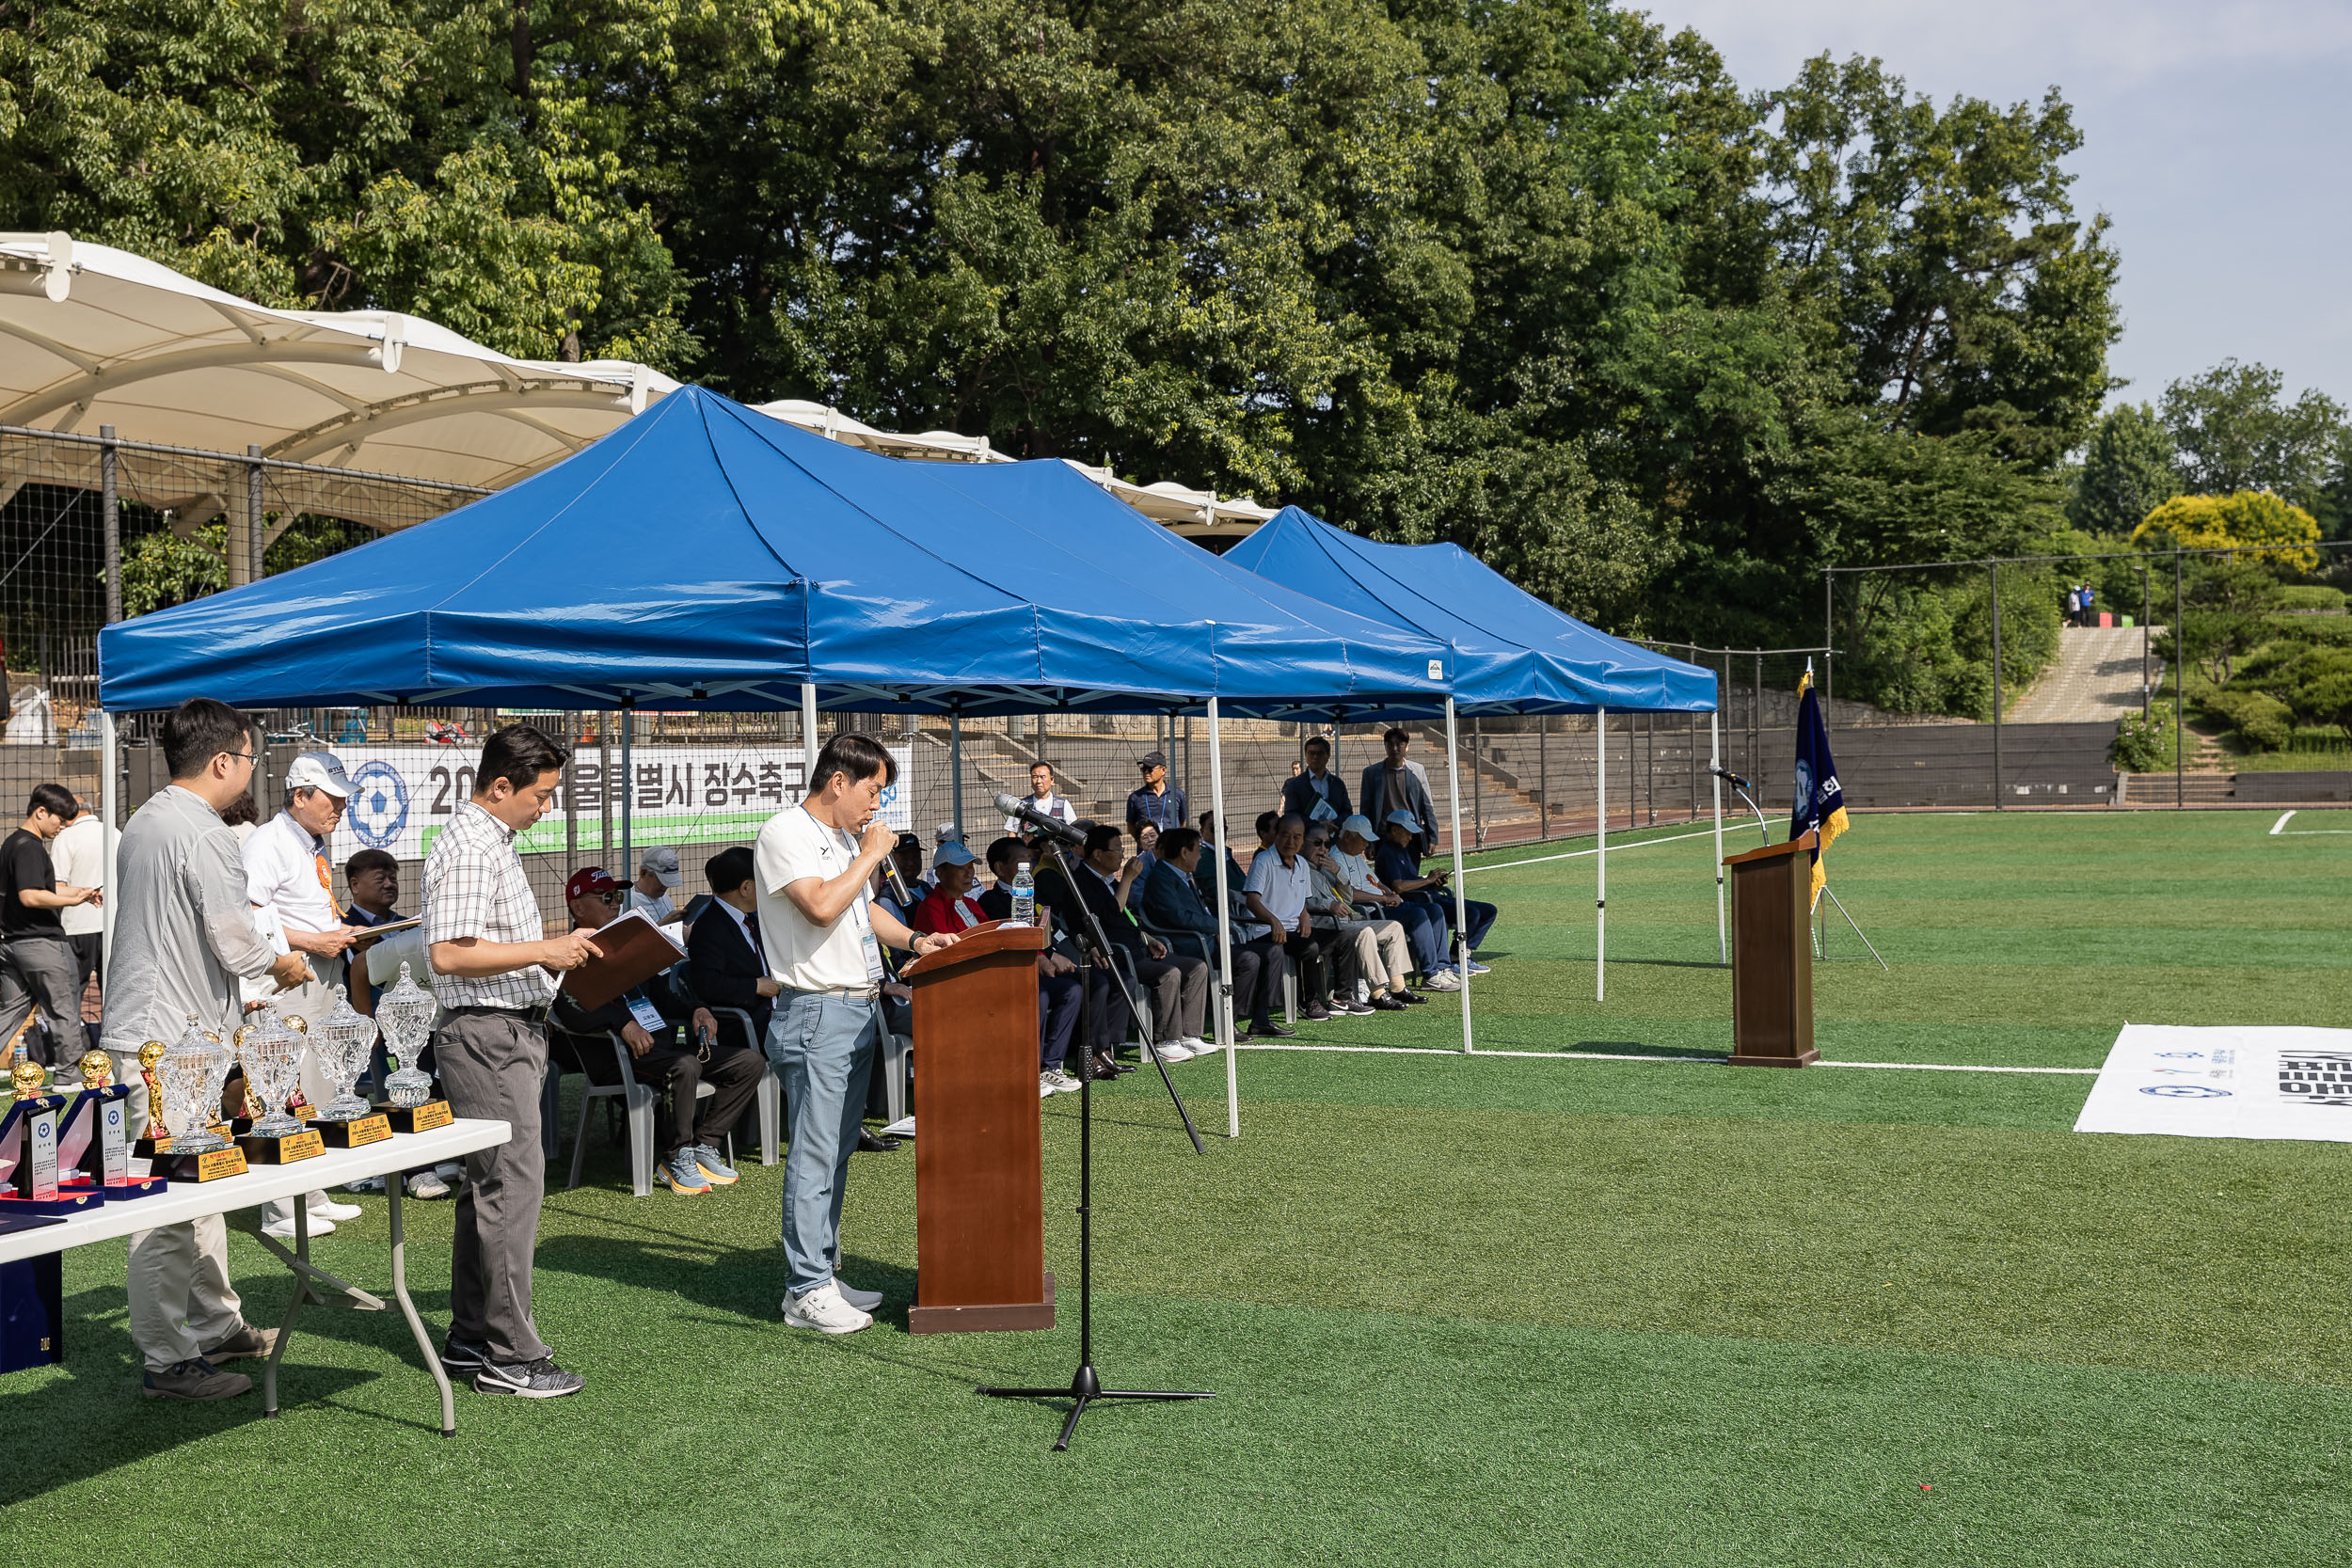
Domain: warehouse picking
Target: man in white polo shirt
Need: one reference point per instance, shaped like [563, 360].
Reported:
[1279, 884]
[292, 884]
[821, 935]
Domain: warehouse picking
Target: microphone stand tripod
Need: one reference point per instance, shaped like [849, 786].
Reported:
[1086, 1385]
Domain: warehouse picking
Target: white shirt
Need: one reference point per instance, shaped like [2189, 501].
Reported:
[1048, 804]
[801, 953]
[79, 854]
[1355, 873]
[1283, 888]
[657, 909]
[286, 872]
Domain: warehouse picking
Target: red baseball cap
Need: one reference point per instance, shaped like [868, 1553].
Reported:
[587, 880]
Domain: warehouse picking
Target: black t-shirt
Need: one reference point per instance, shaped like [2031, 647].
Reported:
[24, 864]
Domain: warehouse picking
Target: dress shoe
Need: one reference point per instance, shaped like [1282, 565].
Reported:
[1382, 1003]
[869, 1143]
[1410, 998]
[1270, 1030]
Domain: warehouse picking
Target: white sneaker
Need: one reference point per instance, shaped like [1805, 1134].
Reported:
[284, 1228]
[823, 1310]
[1442, 979]
[1058, 1082]
[1195, 1044]
[1174, 1050]
[426, 1185]
[324, 1208]
[865, 1301]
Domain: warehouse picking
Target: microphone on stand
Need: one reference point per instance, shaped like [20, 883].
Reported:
[1013, 806]
[1731, 777]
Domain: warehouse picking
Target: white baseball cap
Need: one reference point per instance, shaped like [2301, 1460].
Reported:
[663, 863]
[319, 770]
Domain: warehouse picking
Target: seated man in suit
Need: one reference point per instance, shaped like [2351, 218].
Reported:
[1179, 984]
[1172, 901]
[1056, 974]
[649, 1020]
[723, 964]
[1315, 794]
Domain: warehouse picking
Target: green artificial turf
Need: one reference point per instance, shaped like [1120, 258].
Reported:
[1507, 1309]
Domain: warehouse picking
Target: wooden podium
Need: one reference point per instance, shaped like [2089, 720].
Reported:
[1771, 956]
[979, 1160]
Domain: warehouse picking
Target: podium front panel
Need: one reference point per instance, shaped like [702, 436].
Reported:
[980, 1176]
[1772, 957]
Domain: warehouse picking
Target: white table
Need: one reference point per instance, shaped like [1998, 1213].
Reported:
[194, 1200]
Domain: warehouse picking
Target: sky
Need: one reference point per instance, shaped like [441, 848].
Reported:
[2218, 138]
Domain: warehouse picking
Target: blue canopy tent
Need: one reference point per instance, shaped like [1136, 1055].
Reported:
[704, 555]
[1511, 652]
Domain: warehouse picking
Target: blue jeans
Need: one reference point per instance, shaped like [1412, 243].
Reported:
[1482, 920]
[823, 1049]
[1424, 928]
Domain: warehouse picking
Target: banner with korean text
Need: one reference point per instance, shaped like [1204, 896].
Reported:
[403, 795]
[2227, 1081]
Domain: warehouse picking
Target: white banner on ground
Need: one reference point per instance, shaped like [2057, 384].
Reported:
[402, 797]
[2225, 1083]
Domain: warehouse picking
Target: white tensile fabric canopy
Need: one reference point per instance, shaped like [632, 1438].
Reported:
[92, 336]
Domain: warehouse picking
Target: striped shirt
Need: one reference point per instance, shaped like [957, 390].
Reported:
[474, 886]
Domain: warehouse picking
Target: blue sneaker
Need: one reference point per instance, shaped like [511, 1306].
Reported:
[1475, 967]
[715, 1170]
[682, 1174]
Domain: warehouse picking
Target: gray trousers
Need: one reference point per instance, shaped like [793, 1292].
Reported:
[492, 1065]
[1179, 985]
[182, 1301]
[44, 970]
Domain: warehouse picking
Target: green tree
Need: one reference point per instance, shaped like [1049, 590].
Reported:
[2128, 471]
[2319, 687]
[2235, 431]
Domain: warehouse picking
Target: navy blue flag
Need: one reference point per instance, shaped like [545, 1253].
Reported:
[1820, 805]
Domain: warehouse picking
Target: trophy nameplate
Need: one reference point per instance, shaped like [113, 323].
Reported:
[418, 1118]
[283, 1150]
[108, 1163]
[358, 1133]
[211, 1166]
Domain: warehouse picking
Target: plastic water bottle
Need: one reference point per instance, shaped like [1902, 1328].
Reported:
[1023, 897]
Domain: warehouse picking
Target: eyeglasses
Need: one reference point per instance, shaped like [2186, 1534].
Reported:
[611, 895]
[240, 756]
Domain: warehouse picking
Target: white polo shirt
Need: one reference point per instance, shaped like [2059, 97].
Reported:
[801, 955]
[286, 872]
[1284, 888]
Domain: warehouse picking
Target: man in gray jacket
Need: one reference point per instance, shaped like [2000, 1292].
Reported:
[183, 935]
[1396, 783]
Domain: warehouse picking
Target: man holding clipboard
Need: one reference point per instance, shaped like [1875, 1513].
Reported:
[821, 937]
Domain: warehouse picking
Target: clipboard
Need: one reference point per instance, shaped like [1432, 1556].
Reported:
[390, 928]
[633, 950]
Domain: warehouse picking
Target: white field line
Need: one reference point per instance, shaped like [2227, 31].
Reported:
[2283, 818]
[1624, 1056]
[1579, 854]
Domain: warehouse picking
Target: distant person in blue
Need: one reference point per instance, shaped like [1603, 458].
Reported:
[1158, 802]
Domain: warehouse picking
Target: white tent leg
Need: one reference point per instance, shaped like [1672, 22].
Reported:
[628, 872]
[1461, 916]
[808, 734]
[1224, 934]
[1715, 780]
[1601, 860]
[955, 770]
[109, 768]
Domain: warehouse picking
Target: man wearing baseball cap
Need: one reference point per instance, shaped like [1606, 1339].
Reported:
[1158, 802]
[292, 884]
[656, 874]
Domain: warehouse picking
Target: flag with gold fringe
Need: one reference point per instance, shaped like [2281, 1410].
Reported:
[1820, 804]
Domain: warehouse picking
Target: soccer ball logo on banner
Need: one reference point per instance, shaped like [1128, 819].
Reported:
[379, 805]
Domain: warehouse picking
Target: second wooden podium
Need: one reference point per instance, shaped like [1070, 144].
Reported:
[1771, 956]
[979, 1160]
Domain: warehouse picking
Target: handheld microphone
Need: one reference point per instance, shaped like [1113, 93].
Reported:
[1727, 775]
[1015, 807]
[899, 889]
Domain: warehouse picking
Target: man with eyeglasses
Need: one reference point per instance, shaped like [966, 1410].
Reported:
[183, 937]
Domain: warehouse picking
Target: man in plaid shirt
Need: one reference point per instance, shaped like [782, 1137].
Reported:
[494, 971]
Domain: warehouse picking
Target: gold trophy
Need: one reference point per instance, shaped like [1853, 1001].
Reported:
[98, 1069]
[157, 1138]
[28, 1079]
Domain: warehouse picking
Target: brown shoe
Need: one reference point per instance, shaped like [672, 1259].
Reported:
[195, 1380]
[248, 1343]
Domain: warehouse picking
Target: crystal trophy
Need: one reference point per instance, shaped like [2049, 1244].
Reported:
[28, 1152]
[272, 1055]
[191, 1071]
[405, 1011]
[340, 1041]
